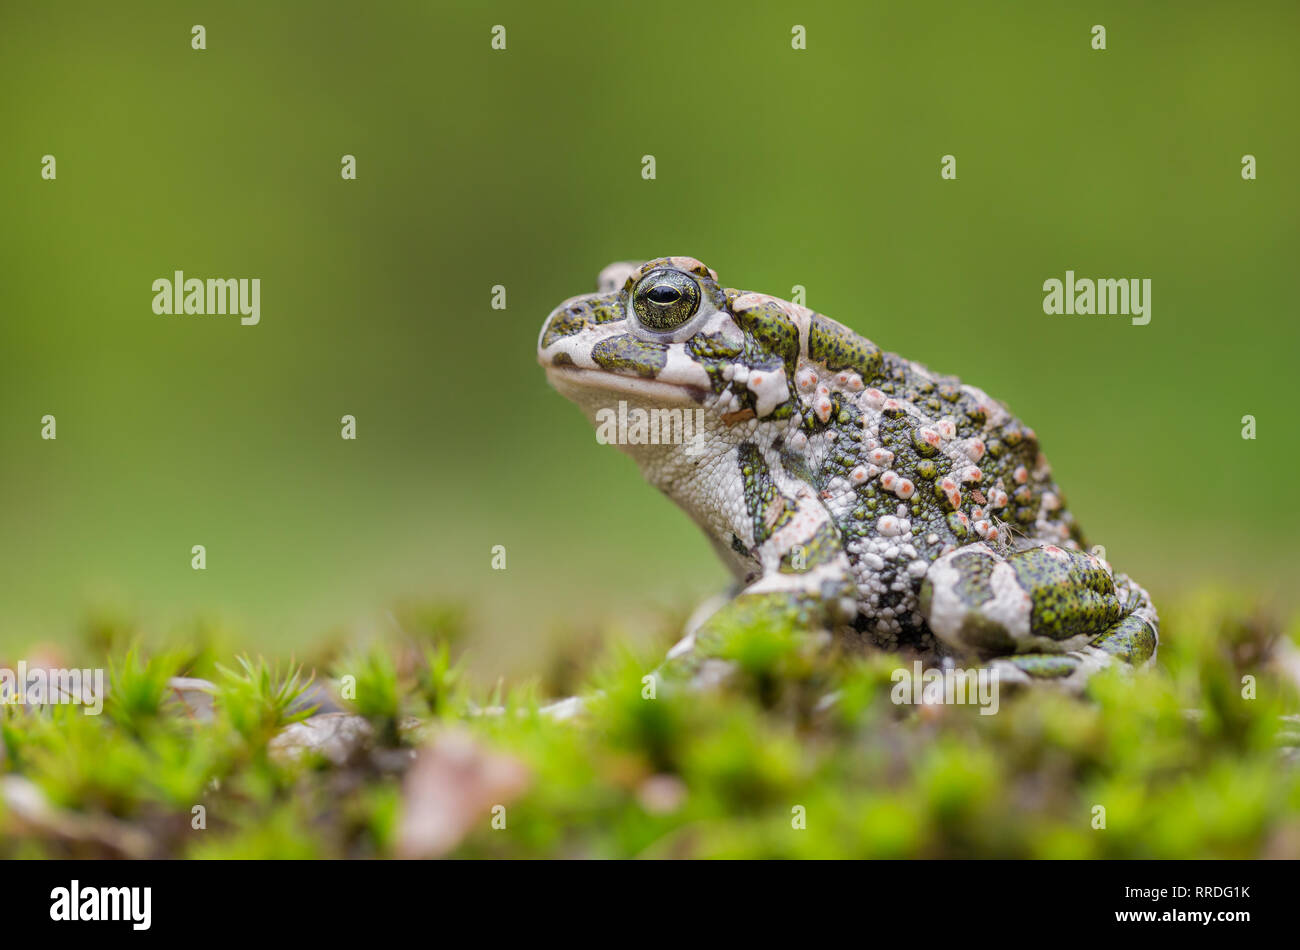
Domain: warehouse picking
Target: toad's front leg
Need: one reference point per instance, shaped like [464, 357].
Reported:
[801, 577]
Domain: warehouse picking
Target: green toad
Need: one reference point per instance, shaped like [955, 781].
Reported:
[844, 486]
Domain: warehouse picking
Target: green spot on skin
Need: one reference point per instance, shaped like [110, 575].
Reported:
[1045, 665]
[1071, 593]
[702, 348]
[975, 581]
[985, 636]
[1131, 640]
[823, 547]
[837, 347]
[772, 332]
[566, 323]
[606, 309]
[582, 315]
[760, 492]
[626, 354]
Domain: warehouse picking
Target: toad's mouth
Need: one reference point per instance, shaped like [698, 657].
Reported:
[581, 384]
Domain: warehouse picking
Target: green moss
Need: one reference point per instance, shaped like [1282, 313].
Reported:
[799, 753]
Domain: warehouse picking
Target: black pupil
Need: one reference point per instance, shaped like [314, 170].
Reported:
[664, 294]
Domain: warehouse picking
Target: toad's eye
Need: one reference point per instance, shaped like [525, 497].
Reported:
[665, 299]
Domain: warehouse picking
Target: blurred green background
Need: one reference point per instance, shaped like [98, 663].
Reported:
[477, 167]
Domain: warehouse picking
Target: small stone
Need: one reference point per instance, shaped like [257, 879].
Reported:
[338, 737]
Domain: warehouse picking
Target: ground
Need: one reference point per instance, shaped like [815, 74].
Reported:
[803, 754]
